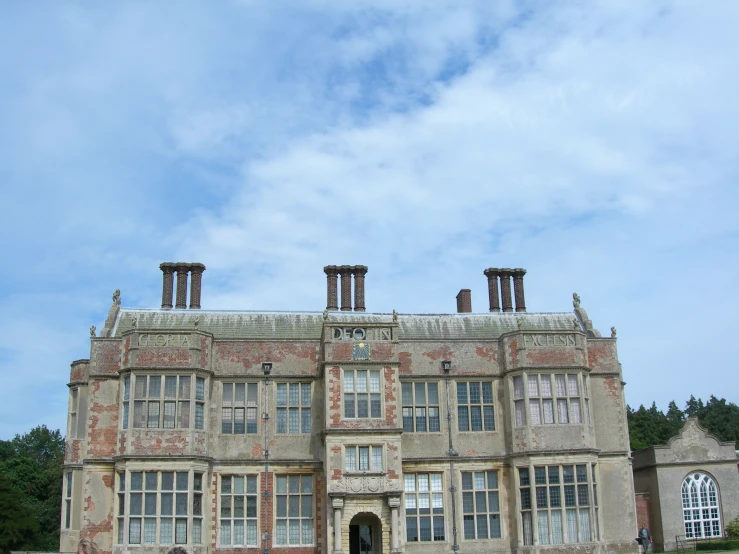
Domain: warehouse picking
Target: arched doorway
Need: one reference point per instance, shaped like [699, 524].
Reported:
[365, 534]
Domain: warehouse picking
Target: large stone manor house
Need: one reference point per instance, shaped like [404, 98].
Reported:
[345, 431]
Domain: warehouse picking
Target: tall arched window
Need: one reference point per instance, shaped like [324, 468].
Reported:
[700, 507]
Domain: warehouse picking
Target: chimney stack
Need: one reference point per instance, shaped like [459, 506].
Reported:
[347, 274]
[167, 284]
[196, 279]
[359, 273]
[495, 274]
[464, 301]
[182, 269]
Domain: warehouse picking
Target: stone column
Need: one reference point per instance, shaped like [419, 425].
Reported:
[492, 275]
[518, 274]
[394, 503]
[337, 504]
[332, 302]
[359, 272]
[346, 288]
[167, 284]
[196, 272]
[505, 290]
[182, 270]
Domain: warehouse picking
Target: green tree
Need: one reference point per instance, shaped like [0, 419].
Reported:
[18, 528]
[32, 466]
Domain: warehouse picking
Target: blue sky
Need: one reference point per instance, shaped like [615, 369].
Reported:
[593, 143]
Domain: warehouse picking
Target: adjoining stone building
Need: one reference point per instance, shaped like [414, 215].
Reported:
[344, 431]
[687, 489]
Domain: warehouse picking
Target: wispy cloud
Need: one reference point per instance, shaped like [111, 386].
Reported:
[593, 144]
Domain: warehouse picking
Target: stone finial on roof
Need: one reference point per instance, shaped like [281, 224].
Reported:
[117, 297]
[575, 300]
[613, 332]
[395, 316]
[93, 331]
[325, 314]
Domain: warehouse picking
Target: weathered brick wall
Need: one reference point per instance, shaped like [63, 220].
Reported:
[643, 518]
[102, 423]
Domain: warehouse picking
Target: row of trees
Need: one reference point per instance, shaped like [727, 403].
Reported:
[30, 491]
[650, 426]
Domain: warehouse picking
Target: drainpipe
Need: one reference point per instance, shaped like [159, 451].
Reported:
[446, 365]
[266, 369]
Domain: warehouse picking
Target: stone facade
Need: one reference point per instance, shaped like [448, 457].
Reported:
[690, 487]
[347, 431]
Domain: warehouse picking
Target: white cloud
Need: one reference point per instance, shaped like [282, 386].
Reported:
[593, 144]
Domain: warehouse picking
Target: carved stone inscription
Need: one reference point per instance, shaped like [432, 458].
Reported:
[182, 341]
[549, 339]
[365, 485]
[361, 333]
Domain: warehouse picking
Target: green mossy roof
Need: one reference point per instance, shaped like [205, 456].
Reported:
[308, 325]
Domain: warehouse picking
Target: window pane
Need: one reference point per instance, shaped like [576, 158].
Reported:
[407, 393]
[433, 393]
[155, 386]
[305, 420]
[463, 418]
[420, 393]
[170, 386]
[374, 381]
[199, 388]
[305, 394]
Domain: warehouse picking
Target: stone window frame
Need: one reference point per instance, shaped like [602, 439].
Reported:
[306, 511]
[412, 500]
[702, 509]
[473, 509]
[548, 398]
[245, 518]
[68, 492]
[372, 458]
[355, 393]
[74, 409]
[302, 408]
[165, 499]
[251, 426]
[413, 404]
[483, 406]
[559, 499]
[195, 401]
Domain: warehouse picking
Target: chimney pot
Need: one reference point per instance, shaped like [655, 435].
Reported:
[182, 270]
[346, 288]
[505, 289]
[331, 272]
[464, 301]
[518, 274]
[359, 272]
[167, 284]
[492, 274]
[196, 280]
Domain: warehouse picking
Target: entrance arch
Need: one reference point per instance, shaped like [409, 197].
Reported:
[365, 534]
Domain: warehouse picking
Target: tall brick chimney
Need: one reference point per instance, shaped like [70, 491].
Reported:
[464, 301]
[347, 274]
[167, 284]
[182, 269]
[504, 275]
[359, 272]
[196, 280]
